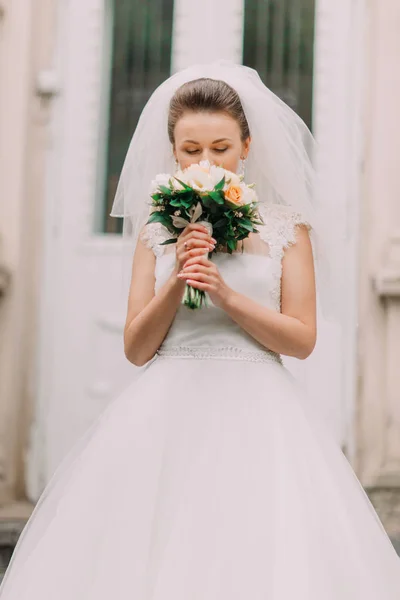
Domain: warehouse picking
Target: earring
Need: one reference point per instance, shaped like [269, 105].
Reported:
[176, 165]
[242, 169]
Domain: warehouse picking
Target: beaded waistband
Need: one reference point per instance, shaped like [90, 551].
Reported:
[228, 353]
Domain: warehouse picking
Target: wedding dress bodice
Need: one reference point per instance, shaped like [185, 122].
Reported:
[256, 273]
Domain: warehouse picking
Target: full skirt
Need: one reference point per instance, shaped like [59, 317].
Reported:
[205, 480]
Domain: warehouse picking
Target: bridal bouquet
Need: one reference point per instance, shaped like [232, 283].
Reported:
[212, 196]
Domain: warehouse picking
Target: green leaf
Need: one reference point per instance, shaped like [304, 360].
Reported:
[158, 217]
[187, 203]
[220, 223]
[186, 187]
[207, 201]
[246, 224]
[176, 202]
[185, 194]
[154, 217]
[233, 206]
[165, 190]
[216, 196]
[220, 184]
[231, 244]
[170, 241]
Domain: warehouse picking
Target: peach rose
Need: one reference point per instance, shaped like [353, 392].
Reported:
[234, 194]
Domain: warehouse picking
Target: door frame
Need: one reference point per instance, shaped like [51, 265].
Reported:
[344, 131]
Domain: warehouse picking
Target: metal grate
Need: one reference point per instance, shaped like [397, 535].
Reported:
[141, 59]
[279, 43]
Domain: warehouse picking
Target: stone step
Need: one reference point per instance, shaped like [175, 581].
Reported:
[13, 518]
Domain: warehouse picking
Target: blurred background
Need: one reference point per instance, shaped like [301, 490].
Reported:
[74, 77]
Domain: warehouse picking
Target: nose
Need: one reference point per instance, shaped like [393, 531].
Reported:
[206, 156]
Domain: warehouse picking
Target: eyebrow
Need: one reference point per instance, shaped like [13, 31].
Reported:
[214, 142]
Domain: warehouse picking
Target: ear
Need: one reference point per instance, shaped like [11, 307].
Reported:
[246, 147]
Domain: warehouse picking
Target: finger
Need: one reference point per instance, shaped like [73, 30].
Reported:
[197, 243]
[199, 285]
[193, 253]
[196, 268]
[200, 260]
[198, 235]
[196, 227]
[196, 276]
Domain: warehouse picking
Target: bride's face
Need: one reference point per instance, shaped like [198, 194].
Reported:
[209, 136]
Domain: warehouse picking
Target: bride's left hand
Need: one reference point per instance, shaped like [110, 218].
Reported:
[202, 274]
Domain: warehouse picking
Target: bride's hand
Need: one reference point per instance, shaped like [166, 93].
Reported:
[194, 241]
[202, 274]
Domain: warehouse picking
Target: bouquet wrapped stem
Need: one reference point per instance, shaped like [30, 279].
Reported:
[213, 196]
[194, 298]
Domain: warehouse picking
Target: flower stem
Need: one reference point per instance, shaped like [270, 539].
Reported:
[194, 298]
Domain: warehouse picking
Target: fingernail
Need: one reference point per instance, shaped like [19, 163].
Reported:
[213, 241]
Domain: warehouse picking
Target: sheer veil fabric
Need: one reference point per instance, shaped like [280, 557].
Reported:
[280, 163]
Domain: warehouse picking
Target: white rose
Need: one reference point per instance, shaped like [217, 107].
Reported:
[198, 178]
[176, 185]
[161, 179]
[205, 164]
[249, 195]
[216, 174]
[232, 179]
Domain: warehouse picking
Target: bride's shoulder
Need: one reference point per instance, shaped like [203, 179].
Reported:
[280, 225]
[153, 235]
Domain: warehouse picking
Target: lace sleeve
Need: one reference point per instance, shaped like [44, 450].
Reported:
[279, 229]
[153, 235]
[278, 233]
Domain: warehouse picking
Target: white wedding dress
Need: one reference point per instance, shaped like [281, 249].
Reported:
[208, 479]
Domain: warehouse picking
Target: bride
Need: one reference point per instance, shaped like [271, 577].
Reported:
[208, 478]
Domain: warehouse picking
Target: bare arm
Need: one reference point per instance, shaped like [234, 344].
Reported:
[291, 332]
[150, 315]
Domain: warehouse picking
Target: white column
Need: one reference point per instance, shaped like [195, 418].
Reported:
[26, 32]
[206, 31]
[15, 84]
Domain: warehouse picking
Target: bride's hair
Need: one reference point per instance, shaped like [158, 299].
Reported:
[209, 95]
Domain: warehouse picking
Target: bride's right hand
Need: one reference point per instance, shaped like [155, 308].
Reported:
[193, 241]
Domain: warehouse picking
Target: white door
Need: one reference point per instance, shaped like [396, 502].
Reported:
[81, 361]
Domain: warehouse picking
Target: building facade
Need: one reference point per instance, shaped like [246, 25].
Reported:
[26, 50]
[68, 107]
